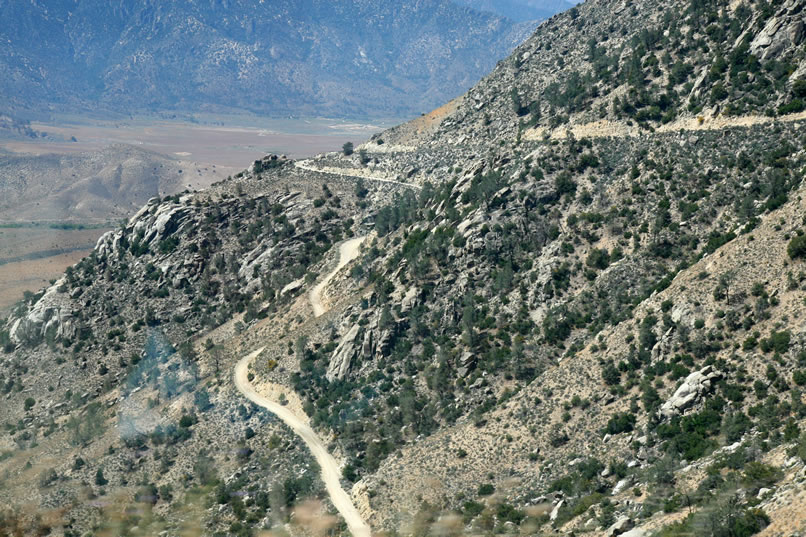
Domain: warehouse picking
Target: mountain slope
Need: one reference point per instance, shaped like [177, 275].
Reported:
[610, 65]
[345, 58]
[576, 332]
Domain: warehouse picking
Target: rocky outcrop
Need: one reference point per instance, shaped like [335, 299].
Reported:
[410, 300]
[292, 287]
[154, 224]
[692, 390]
[620, 526]
[466, 364]
[621, 486]
[784, 30]
[344, 354]
[368, 347]
[51, 317]
[556, 511]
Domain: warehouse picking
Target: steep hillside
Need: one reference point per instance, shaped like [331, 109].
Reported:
[611, 65]
[347, 58]
[584, 330]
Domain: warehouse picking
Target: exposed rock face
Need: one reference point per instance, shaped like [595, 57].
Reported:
[410, 299]
[344, 354]
[368, 347]
[292, 287]
[466, 364]
[50, 318]
[622, 485]
[556, 511]
[693, 388]
[664, 346]
[384, 345]
[784, 30]
[620, 526]
[166, 219]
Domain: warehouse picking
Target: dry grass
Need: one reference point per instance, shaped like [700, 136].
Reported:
[224, 145]
[33, 274]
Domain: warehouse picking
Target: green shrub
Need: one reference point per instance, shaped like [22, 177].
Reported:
[598, 258]
[186, 421]
[758, 475]
[472, 510]
[100, 480]
[565, 184]
[621, 422]
[792, 107]
[486, 489]
[349, 473]
[507, 513]
[611, 375]
[778, 342]
[800, 448]
[797, 247]
[725, 521]
[734, 425]
[168, 245]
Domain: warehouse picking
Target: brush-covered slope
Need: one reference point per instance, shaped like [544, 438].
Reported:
[608, 68]
[544, 334]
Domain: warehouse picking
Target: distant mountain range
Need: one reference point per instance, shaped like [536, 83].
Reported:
[345, 58]
[519, 10]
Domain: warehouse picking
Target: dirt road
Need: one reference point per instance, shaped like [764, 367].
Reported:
[356, 173]
[347, 252]
[331, 473]
[330, 468]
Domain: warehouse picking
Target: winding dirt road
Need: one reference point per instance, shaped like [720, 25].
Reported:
[330, 468]
[304, 165]
[347, 252]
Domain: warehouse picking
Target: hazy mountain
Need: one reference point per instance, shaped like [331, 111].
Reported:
[103, 185]
[519, 10]
[339, 58]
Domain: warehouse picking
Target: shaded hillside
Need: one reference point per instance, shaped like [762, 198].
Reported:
[519, 10]
[340, 59]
